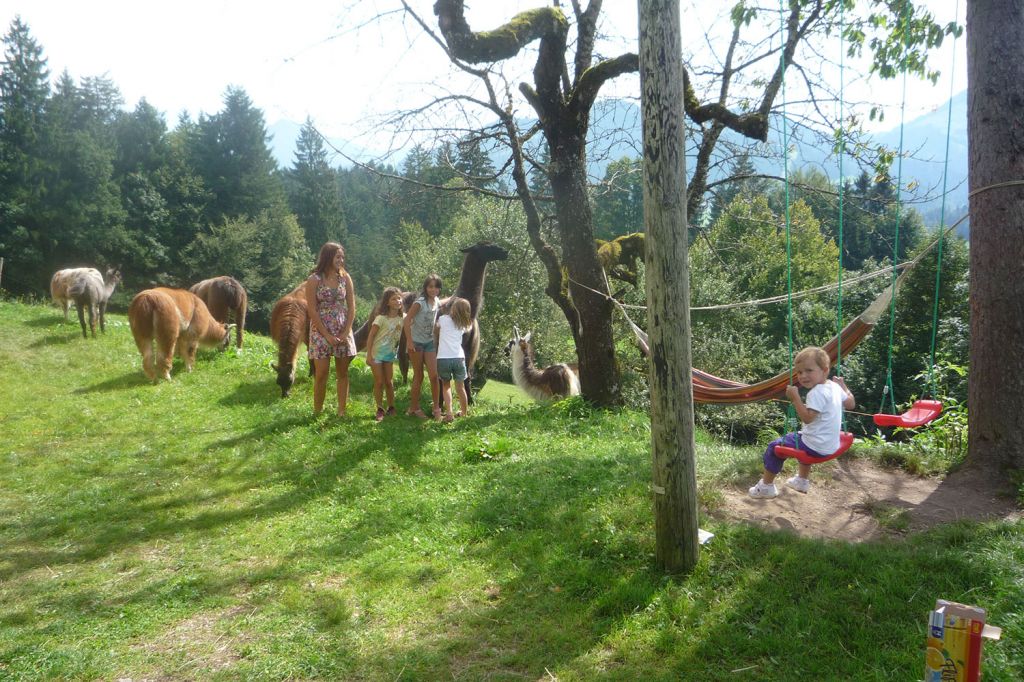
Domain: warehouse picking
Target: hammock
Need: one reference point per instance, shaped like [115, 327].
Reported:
[708, 388]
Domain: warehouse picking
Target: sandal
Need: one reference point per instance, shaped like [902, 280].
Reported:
[448, 419]
[416, 413]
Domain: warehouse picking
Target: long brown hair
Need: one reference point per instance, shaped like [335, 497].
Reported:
[461, 313]
[325, 260]
[382, 304]
[432, 278]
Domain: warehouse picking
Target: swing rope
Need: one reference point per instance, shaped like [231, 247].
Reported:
[942, 217]
[842, 186]
[791, 421]
[887, 389]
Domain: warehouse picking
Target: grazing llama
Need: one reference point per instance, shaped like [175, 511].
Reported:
[88, 290]
[176, 320]
[224, 295]
[556, 381]
[289, 328]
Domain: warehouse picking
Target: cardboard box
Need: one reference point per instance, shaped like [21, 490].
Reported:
[953, 648]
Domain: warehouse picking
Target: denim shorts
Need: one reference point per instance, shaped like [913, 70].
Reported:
[449, 369]
[385, 356]
[427, 347]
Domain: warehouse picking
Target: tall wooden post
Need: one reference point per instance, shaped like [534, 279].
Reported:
[668, 290]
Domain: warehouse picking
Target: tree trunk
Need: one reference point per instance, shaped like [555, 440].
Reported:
[600, 381]
[668, 293]
[995, 32]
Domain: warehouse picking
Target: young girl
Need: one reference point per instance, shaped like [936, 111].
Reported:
[419, 335]
[821, 416]
[451, 359]
[332, 308]
[382, 348]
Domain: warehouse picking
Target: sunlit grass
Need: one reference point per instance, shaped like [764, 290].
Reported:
[204, 528]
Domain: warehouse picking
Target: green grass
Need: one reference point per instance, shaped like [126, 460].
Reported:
[206, 529]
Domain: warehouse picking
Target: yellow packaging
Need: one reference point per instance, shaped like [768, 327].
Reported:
[953, 648]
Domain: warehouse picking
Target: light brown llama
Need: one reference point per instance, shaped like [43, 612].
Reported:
[177, 320]
[556, 381]
[289, 328]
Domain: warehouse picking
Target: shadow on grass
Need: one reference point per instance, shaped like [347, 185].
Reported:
[37, 322]
[125, 381]
[56, 340]
[253, 393]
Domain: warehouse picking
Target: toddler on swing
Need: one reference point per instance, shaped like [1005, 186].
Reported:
[822, 417]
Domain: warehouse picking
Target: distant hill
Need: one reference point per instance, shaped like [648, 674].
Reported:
[615, 132]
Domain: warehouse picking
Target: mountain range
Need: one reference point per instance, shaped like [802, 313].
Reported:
[615, 132]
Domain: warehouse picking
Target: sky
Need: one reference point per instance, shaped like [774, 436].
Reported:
[323, 59]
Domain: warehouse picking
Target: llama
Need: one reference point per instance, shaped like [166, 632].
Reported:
[176, 320]
[88, 290]
[289, 328]
[224, 295]
[471, 288]
[556, 381]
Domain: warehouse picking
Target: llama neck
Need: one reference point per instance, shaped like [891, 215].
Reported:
[471, 282]
[108, 289]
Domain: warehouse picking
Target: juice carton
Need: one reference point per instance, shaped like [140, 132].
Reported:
[953, 652]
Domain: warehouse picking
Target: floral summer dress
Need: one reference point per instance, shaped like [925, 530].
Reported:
[331, 305]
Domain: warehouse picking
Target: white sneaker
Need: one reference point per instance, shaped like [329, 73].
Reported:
[801, 485]
[763, 490]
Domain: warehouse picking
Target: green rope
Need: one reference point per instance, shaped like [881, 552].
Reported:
[942, 217]
[790, 410]
[842, 184]
[887, 390]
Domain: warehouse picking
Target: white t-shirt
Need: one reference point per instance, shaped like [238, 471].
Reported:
[822, 435]
[450, 339]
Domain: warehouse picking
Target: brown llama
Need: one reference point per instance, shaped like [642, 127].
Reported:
[289, 328]
[224, 295]
[177, 320]
[556, 381]
[88, 290]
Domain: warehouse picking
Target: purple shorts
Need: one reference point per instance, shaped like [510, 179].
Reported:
[773, 463]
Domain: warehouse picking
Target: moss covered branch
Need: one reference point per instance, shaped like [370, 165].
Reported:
[501, 43]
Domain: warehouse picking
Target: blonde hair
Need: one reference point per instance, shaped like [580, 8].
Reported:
[461, 313]
[814, 354]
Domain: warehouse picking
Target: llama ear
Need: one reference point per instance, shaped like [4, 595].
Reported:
[527, 337]
[515, 332]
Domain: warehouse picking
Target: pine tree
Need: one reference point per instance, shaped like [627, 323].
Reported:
[24, 88]
[313, 191]
[230, 152]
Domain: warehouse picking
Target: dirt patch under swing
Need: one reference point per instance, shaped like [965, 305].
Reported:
[856, 499]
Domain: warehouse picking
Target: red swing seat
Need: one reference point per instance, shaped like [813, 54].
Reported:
[919, 414]
[845, 441]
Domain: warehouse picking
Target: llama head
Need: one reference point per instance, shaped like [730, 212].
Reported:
[518, 340]
[486, 251]
[226, 339]
[285, 376]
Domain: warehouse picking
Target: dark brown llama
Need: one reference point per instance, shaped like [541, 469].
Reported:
[471, 288]
[224, 295]
[556, 381]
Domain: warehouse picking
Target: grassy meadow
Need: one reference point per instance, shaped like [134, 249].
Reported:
[204, 528]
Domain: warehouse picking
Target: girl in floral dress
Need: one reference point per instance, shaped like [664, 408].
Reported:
[332, 306]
